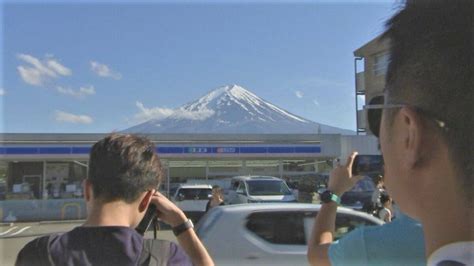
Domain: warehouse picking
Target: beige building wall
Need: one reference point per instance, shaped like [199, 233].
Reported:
[375, 54]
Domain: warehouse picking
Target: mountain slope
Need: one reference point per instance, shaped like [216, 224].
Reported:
[233, 109]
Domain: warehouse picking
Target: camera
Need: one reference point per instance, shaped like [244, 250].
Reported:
[150, 215]
[367, 165]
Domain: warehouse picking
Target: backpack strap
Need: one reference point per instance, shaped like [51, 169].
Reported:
[36, 252]
[155, 252]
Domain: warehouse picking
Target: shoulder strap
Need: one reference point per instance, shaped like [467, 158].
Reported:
[155, 252]
[36, 252]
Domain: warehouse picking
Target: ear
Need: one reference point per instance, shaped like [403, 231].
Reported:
[146, 200]
[87, 188]
[411, 129]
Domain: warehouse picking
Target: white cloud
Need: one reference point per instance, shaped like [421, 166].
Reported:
[72, 118]
[37, 72]
[103, 70]
[316, 102]
[82, 92]
[87, 90]
[58, 68]
[31, 76]
[151, 113]
[299, 94]
[160, 113]
[2, 92]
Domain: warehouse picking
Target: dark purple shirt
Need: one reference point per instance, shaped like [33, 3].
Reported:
[105, 245]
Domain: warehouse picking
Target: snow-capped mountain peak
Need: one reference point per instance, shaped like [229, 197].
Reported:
[232, 109]
[236, 95]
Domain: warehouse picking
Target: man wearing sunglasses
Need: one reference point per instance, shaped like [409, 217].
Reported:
[425, 125]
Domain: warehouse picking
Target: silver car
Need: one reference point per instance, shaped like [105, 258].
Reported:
[268, 233]
[259, 189]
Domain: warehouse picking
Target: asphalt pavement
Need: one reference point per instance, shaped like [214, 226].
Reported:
[15, 235]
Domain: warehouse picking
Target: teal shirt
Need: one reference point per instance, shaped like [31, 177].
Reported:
[400, 242]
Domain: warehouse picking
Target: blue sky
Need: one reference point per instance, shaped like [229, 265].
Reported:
[99, 67]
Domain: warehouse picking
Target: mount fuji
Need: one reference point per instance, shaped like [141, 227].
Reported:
[233, 110]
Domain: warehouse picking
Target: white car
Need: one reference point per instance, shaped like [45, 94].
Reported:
[259, 189]
[192, 198]
[268, 234]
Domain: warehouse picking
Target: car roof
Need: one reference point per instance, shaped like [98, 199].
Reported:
[255, 177]
[262, 207]
[195, 186]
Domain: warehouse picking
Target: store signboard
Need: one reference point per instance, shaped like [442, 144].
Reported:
[244, 149]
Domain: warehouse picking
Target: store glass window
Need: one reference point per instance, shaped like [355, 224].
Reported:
[24, 180]
[3, 179]
[64, 179]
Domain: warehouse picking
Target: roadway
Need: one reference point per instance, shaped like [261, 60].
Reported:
[15, 235]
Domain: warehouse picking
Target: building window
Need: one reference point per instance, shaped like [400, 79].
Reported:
[381, 61]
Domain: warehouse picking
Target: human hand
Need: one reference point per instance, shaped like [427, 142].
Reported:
[168, 212]
[341, 178]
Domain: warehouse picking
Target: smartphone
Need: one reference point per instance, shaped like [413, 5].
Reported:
[150, 215]
[367, 164]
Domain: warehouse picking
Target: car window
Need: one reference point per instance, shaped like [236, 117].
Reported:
[241, 187]
[194, 193]
[235, 185]
[267, 187]
[173, 191]
[285, 228]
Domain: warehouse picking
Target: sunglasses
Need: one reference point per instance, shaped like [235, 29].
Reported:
[374, 114]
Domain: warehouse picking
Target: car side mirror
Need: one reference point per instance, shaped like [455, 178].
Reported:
[180, 197]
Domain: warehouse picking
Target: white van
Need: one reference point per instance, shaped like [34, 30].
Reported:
[253, 189]
[192, 198]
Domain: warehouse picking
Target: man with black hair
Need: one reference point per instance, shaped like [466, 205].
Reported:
[124, 172]
[425, 126]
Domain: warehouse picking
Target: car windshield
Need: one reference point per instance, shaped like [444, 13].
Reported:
[267, 187]
[194, 193]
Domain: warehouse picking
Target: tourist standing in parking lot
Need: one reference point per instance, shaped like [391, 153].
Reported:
[386, 212]
[425, 128]
[124, 172]
[379, 190]
[217, 198]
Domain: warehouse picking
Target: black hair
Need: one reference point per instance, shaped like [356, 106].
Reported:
[384, 198]
[431, 68]
[123, 166]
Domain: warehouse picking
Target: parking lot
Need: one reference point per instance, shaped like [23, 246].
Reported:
[14, 236]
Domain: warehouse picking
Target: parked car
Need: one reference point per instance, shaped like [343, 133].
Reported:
[259, 189]
[192, 197]
[360, 196]
[268, 234]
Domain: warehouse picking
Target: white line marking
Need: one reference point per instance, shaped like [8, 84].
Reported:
[9, 230]
[20, 231]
